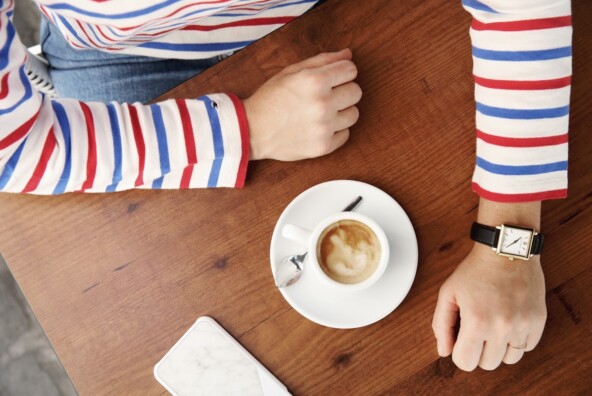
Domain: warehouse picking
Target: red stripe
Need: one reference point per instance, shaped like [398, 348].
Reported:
[18, 133]
[140, 145]
[524, 85]
[103, 34]
[245, 140]
[91, 161]
[165, 17]
[530, 24]
[509, 198]
[522, 142]
[189, 142]
[247, 22]
[4, 86]
[48, 148]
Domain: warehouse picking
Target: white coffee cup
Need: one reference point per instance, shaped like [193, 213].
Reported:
[310, 239]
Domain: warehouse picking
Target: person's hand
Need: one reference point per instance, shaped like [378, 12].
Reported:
[502, 306]
[501, 303]
[306, 110]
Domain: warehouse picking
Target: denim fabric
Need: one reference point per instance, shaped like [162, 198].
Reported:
[91, 75]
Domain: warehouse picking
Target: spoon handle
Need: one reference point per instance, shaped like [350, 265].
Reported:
[353, 205]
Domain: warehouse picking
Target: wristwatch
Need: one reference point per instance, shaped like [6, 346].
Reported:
[510, 241]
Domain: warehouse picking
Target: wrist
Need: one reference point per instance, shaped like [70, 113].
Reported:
[254, 135]
[526, 214]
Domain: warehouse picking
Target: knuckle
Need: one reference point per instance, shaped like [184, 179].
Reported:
[350, 69]
[311, 79]
[489, 366]
[320, 109]
[355, 114]
[463, 363]
[443, 292]
[512, 359]
[476, 319]
[357, 92]
[505, 321]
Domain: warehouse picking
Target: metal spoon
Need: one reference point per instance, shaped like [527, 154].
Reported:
[290, 268]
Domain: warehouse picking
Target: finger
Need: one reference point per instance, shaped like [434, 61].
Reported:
[346, 118]
[533, 338]
[346, 95]
[468, 348]
[319, 60]
[338, 140]
[493, 353]
[445, 317]
[340, 72]
[513, 355]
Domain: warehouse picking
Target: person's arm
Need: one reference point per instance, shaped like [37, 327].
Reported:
[56, 146]
[522, 68]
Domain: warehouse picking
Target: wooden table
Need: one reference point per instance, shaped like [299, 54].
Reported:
[116, 279]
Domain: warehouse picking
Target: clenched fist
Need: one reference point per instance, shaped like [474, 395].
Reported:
[306, 110]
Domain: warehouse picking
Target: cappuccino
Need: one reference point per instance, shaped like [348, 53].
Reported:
[348, 251]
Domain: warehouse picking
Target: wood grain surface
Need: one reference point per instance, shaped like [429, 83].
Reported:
[116, 279]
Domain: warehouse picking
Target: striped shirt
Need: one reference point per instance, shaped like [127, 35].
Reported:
[522, 68]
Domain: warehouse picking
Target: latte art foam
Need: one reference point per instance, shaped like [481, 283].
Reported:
[348, 251]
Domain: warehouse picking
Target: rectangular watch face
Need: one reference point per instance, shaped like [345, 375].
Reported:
[515, 241]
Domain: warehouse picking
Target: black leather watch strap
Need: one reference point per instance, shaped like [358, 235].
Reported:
[489, 236]
[537, 244]
[485, 234]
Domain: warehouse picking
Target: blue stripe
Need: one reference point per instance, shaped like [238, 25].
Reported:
[28, 92]
[4, 51]
[98, 38]
[218, 141]
[521, 56]
[60, 113]
[511, 170]
[71, 30]
[195, 47]
[520, 114]
[477, 5]
[130, 14]
[11, 165]
[163, 147]
[117, 150]
[157, 183]
[282, 5]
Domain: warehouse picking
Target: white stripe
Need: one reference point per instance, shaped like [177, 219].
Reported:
[520, 184]
[522, 128]
[522, 71]
[530, 40]
[520, 99]
[535, 7]
[517, 156]
[154, 22]
[174, 134]
[204, 142]
[172, 180]
[519, 10]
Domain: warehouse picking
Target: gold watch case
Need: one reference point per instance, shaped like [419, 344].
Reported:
[508, 229]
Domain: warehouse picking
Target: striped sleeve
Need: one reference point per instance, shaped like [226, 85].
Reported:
[57, 146]
[522, 59]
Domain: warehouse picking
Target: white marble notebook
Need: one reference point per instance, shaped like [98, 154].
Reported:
[208, 361]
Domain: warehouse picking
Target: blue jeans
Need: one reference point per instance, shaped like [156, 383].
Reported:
[91, 75]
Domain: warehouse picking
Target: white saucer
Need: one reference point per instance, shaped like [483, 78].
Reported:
[328, 306]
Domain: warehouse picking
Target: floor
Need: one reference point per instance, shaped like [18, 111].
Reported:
[28, 364]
